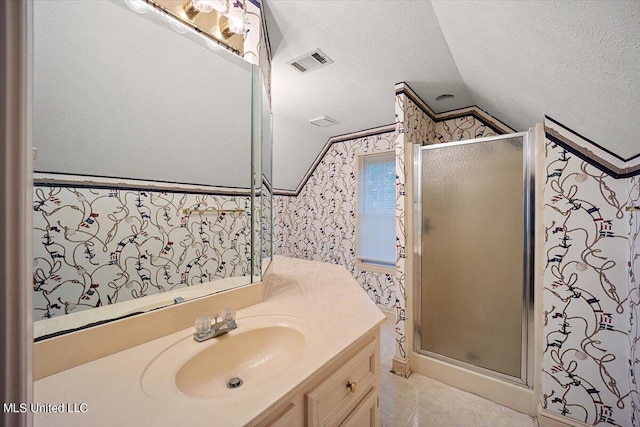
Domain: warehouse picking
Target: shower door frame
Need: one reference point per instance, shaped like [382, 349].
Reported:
[527, 355]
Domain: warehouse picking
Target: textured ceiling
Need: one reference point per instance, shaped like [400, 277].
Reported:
[576, 61]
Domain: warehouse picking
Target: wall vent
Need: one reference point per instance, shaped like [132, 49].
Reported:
[310, 61]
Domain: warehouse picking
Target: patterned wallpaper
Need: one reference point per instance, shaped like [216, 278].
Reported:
[633, 199]
[421, 129]
[459, 129]
[411, 124]
[94, 247]
[589, 314]
[319, 224]
[266, 226]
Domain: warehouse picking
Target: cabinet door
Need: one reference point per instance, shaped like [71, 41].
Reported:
[330, 402]
[366, 414]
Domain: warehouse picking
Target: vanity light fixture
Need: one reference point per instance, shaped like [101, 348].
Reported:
[232, 20]
[192, 8]
[222, 23]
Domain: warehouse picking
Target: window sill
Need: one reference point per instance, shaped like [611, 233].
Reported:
[375, 268]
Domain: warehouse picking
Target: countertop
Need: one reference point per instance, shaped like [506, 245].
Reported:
[325, 299]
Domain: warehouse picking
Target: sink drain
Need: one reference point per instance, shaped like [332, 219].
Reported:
[234, 382]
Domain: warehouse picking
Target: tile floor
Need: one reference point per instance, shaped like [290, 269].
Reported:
[422, 402]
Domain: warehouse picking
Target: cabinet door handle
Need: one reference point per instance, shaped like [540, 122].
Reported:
[352, 386]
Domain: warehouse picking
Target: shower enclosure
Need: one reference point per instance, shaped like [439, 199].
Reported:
[474, 302]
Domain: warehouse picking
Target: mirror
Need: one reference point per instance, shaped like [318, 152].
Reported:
[144, 190]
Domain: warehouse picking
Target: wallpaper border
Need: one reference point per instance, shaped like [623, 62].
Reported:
[53, 179]
[333, 140]
[496, 125]
[590, 141]
[590, 152]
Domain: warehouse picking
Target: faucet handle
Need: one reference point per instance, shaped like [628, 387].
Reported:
[229, 316]
[203, 325]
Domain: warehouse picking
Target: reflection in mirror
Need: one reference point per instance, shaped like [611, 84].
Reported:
[142, 183]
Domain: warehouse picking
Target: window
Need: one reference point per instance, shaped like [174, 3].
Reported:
[376, 213]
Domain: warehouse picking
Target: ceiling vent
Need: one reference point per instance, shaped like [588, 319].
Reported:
[310, 61]
[323, 122]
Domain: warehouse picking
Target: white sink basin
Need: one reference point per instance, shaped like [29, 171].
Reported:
[260, 349]
[253, 356]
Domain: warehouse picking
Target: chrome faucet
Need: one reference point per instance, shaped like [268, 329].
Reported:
[205, 329]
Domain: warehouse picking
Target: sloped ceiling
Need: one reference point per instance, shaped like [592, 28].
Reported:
[576, 61]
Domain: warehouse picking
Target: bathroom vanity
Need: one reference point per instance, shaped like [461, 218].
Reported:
[346, 392]
[308, 354]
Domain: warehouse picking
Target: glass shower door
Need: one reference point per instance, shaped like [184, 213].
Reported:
[473, 294]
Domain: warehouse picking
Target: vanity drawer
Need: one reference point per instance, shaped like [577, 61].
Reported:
[333, 400]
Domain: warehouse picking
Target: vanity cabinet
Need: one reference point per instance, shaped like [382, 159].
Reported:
[345, 392]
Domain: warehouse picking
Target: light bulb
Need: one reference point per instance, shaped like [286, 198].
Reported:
[207, 6]
[237, 24]
[138, 6]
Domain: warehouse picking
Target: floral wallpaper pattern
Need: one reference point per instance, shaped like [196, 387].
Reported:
[586, 299]
[94, 247]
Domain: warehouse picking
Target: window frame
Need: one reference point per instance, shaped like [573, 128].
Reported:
[361, 262]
